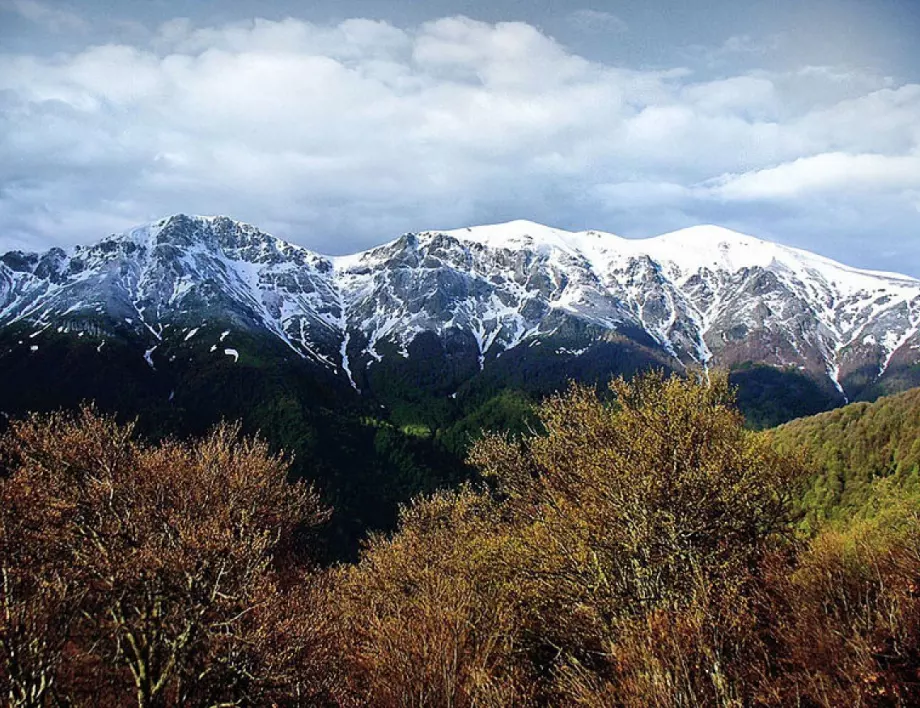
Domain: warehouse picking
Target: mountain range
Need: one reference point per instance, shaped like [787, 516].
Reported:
[376, 370]
[703, 296]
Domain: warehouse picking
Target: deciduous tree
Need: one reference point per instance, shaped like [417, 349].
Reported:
[175, 549]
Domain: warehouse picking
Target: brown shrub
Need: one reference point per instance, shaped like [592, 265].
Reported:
[428, 617]
[703, 650]
[846, 615]
[636, 554]
[615, 566]
[172, 549]
[623, 509]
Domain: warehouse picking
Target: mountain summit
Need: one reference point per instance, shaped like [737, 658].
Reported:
[701, 296]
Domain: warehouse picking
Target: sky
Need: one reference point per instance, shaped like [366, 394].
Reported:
[340, 124]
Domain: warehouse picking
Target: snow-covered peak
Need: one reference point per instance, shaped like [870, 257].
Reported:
[142, 235]
[232, 239]
[718, 248]
[704, 294]
[711, 247]
[683, 253]
[596, 247]
[689, 250]
[516, 234]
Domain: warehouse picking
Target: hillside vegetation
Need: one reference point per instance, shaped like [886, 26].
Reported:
[861, 453]
[641, 549]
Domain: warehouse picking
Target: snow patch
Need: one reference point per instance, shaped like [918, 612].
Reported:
[345, 364]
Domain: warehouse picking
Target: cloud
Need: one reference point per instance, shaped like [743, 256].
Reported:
[746, 44]
[597, 21]
[829, 172]
[342, 136]
[52, 19]
[739, 49]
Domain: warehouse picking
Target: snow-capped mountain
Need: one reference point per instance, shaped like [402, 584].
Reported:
[701, 296]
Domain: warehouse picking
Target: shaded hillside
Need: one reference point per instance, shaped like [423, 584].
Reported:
[363, 466]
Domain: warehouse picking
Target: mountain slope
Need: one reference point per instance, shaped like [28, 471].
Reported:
[860, 453]
[376, 369]
[463, 299]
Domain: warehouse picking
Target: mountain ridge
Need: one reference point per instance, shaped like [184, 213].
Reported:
[699, 232]
[699, 297]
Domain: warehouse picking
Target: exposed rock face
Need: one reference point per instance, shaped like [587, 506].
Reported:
[703, 296]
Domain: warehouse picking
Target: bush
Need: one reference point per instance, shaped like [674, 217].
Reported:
[429, 617]
[639, 551]
[846, 614]
[622, 519]
[153, 568]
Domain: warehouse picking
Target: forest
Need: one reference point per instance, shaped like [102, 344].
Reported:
[639, 546]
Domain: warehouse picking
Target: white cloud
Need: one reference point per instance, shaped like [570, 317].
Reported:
[739, 46]
[53, 19]
[342, 136]
[597, 21]
[829, 172]
[750, 95]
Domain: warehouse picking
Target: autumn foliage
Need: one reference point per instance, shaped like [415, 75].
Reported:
[594, 568]
[147, 575]
[640, 549]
